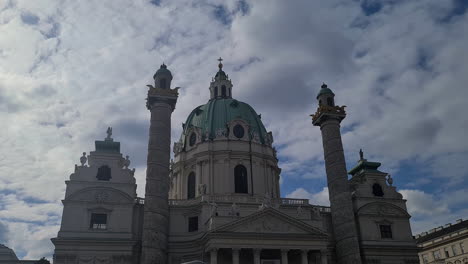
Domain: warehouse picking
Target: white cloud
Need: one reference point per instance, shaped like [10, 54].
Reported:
[319, 198]
[429, 211]
[71, 70]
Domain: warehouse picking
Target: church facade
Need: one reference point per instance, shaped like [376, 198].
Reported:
[218, 200]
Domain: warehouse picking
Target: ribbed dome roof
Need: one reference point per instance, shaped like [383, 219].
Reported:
[217, 113]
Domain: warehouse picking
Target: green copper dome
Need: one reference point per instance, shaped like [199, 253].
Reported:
[218, 113]
[163, 71]
[325, 90]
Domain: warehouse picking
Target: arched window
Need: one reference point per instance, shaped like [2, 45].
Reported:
[330, 101]
[104, 173]
[191, 186]
[162, 83]
[240, 179]
[320, 102]
[377, 190]
[223, 91]
[216, 92]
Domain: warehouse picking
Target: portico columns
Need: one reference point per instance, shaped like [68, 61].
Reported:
[214, 256]
[304, 257]
[284, 256]
[257, 255]
[235, 256]
[323, 256]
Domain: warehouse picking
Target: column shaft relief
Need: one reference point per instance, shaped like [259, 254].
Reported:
[161, 103]
[329, 117]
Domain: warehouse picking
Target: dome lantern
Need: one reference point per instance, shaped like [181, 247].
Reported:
[221, 86]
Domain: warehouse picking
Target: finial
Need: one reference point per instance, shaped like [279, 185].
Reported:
[324, 86]
[83, 159]
[220, 65]
[361, 154]
[163, 66]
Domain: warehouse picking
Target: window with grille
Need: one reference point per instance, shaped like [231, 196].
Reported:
[386, 231]
[104, 173]
[98, 221]
[436, 254]
[193, 224]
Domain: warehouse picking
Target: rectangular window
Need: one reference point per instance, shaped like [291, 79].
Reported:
[455, 250]
[386, 231]
[436, 254]
[446, 250]
[193, 224]
[425, 258]
[98, 221]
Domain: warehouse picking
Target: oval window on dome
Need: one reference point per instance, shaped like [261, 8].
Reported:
[238, 131]
[193, 139]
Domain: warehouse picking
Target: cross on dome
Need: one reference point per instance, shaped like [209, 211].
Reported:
[220, 65]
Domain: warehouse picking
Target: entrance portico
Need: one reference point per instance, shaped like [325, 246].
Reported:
[267, 256]
[267, 237]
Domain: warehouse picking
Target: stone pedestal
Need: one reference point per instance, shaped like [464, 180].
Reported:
[161, 103]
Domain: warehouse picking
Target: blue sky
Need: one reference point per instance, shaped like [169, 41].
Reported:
[70, 69]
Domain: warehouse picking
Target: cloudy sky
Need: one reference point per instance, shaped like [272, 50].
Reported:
[69, 69]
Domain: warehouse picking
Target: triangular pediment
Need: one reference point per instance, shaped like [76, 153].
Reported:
[270, 221]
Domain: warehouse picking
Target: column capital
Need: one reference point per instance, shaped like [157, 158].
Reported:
[165, 96]
[285, 250]
[213, 249]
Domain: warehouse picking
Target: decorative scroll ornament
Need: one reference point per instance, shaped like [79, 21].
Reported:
[101, 197]
[83, 159]
[221, 133]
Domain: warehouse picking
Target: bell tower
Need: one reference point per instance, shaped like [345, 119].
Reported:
[161, 102]
[328, 117]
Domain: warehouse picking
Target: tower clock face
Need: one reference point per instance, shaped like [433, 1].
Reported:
[238, 131]
[193, 139]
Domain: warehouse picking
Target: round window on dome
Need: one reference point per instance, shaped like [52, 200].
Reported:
[193, 139]
[238, 131]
